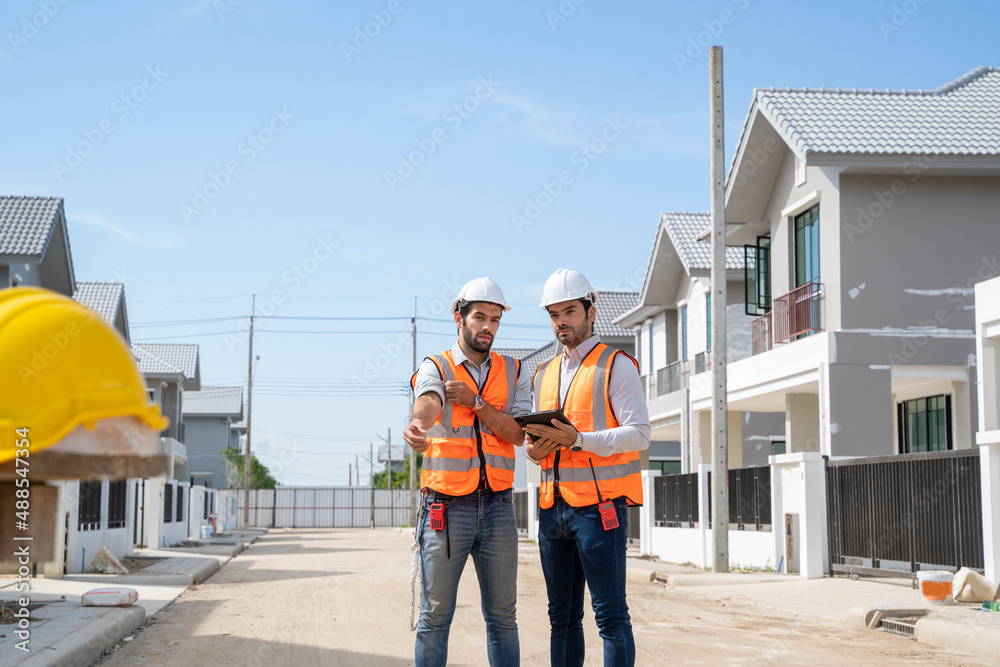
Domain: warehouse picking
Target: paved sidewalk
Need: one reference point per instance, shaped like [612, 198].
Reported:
[960, 627]
[63, 632]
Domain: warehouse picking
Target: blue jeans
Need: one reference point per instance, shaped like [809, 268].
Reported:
[482, 525]
[576, 550]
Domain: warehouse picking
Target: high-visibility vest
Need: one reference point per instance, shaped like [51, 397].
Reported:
[461, 446]
[578, 475]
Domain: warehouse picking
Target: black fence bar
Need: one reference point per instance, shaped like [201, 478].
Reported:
[749, 498]
[634, 527]
[521, 509]
[675, 500]
[899, 513]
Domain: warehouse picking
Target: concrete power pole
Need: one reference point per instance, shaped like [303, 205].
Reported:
[246, 454]
[413, 454]
[720, 408]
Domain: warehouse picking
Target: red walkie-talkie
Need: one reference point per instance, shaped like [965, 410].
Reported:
[609, 517]
[437, 516]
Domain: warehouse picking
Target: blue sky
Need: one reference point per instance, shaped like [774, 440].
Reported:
[211, 150]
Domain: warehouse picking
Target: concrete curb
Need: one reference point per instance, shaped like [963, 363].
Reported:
[86, 645]
[722, 579]
[979, 637]
[187, 576]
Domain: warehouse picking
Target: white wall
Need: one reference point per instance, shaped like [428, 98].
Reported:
[82, 546]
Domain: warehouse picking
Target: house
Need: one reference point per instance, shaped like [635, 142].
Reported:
[34, 244]
[671, 321]
[208, 418]
[865, 217]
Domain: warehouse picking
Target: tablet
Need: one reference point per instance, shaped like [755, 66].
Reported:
[544, 418]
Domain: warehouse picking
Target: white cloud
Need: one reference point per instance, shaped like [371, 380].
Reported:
[95, 220]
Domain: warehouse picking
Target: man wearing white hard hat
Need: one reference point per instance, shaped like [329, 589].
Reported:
[466, 399]
[590, 473]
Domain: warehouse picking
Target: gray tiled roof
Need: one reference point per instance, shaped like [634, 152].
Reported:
[959, 118]
[103, 298]
[167, 359]
[516, 352]
[684, 230]
[26, 224]
[214, 402]
[240, 425]
[611, 306]
[530, 363]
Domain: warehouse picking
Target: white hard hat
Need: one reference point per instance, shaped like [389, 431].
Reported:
[566, 285]
[479, 289]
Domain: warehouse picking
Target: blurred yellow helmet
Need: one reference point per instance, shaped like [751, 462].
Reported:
[63, 371]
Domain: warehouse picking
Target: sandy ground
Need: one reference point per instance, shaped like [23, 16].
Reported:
[314, 597]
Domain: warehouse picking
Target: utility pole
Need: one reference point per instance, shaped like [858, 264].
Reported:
[246, 455]
[350, 474]
[413, 454]
[371, 465]
[388, 478]
[357, 470]
[720, 407]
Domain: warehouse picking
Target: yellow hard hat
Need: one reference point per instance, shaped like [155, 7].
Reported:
[64, 369]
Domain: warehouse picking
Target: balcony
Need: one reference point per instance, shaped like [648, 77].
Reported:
[702, 362]
[671, 378]
[794, 314]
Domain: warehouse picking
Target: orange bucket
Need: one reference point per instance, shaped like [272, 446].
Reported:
[935, 586]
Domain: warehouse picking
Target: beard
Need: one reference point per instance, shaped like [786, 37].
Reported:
[471, 339]
[573, 336]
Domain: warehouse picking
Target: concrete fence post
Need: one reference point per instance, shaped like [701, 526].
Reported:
[532, 512]
[798, 483]
[647, 512]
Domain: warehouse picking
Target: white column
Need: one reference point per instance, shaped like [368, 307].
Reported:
[532, 511]
[800, 478]
[647, 512]
[704, 516]
[989, 470]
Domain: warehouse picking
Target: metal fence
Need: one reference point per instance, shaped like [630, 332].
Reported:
[891, 515]
[326, 507]
[521, 509]
[675, 500]
[749, 498]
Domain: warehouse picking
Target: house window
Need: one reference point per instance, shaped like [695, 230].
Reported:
[684, 333]
[925, 425]
[666, 467]
[757, 276]
[180, 504]
[708, 322]
[807, 247]
[777, 447]
[89, 517]
[168, 503]
[116, 504]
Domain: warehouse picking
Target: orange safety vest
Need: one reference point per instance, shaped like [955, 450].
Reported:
[460, 444]
[589, 409]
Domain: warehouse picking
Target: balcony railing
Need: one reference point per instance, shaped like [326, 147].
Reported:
[793, 314]
[760, 334]
[702, 362]
[671, 378]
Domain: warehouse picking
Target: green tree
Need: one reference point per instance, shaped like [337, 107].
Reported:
[232, 465]
[400, 480]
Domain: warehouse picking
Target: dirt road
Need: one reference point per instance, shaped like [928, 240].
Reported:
[306, 598]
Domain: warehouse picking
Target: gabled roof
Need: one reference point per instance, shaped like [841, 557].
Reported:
[170, 359]
[611, 306]
[531, 362]
[683, 230]
[214, 402]
[241, 425]
[959, 118]
[107, 300]
[516, 352]
[26, 225]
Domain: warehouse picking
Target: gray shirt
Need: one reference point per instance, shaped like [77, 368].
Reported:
[628, 404]
[429, 380]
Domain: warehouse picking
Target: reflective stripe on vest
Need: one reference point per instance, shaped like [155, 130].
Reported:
[452, 463]
[588, 407]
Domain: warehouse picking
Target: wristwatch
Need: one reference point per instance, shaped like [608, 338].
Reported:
[479, 404]
[578, 445]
